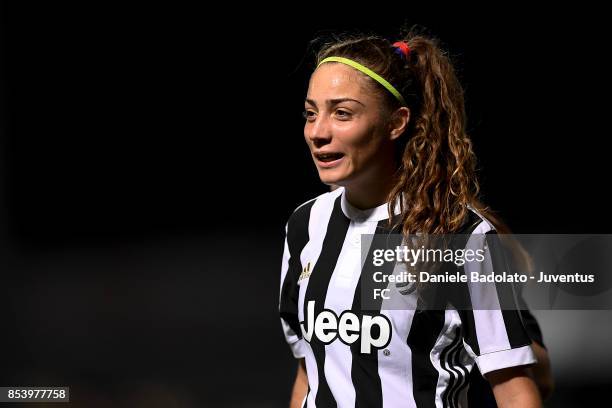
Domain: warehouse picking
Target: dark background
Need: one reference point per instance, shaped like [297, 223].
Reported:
[151, 156]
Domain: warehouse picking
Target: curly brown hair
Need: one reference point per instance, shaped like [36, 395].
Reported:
[436, 166]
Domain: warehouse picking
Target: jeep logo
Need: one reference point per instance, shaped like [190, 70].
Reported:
[326, 327]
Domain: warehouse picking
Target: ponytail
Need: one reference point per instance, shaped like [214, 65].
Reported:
[436, 177]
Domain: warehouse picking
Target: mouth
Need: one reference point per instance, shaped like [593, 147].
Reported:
[328, 159]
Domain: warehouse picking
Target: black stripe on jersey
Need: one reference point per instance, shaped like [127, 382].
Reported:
[317, 290]
[424, 331]
[532, 327]
[364, 370]
[297, 237]
[517, 335]
[480, 395]
[471, 222]
[385, 239]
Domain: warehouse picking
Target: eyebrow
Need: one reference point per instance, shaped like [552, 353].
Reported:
[335, 101]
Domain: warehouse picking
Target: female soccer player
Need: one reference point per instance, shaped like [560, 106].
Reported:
[386, 122]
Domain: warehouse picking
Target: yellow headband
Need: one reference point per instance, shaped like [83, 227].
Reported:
[369, 73]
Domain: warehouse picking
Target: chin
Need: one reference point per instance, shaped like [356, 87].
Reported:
[329, 178]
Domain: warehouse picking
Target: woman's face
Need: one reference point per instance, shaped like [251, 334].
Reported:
[345, 128]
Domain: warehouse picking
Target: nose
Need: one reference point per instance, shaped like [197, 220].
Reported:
[318, 132]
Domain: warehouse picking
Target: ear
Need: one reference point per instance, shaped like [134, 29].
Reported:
[399, 122]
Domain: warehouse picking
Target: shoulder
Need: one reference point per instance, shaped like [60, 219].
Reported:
[476, 223]
[477, 231]
[301, 215]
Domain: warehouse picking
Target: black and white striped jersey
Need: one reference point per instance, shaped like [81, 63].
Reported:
[416, 358]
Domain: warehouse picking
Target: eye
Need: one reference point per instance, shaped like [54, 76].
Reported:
[342, 114]
[308, 114]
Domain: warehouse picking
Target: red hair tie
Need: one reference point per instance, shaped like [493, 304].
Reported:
[402, 49]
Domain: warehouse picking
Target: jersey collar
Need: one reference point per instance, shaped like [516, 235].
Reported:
[369, 215]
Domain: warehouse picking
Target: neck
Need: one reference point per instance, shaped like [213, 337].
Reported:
[369, 195]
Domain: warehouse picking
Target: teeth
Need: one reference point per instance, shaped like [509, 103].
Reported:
[329, 155]
[327, 158]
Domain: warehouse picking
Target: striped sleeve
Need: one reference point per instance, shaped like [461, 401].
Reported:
[494, 334]
[288, 300]
[296, 238]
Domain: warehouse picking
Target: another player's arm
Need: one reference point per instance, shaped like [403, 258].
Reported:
[513, 387]
[300, 386]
